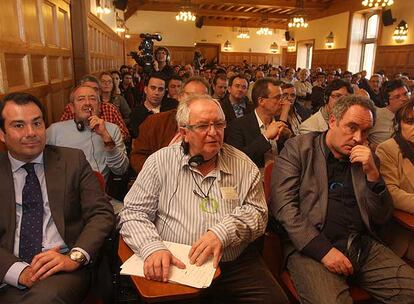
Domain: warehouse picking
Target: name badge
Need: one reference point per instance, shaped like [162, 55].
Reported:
[229, 193]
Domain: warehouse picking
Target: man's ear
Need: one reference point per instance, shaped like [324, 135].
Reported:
[183, 132]
[71, 107]
[2, 136]
[145, 90]
[331, 121]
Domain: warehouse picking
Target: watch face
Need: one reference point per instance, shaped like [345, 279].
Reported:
[77, 256]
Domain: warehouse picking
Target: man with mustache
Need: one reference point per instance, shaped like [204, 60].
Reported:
[101, 141]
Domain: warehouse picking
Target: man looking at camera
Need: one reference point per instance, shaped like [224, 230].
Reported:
[54, 216]
[328, 194]
[100, 141]
[196, 193]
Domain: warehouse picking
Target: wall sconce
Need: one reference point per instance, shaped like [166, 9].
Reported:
[274, 48]
[227, 46]
[401, 32]
[329, 41]
[291, 46]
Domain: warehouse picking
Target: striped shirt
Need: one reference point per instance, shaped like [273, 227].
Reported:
[165, 203]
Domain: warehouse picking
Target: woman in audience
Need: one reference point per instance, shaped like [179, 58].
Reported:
[397, 168]
[107, 95]
[116, 78]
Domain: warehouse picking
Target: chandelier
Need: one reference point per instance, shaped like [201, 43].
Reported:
[265, 31]
[298, 22]
[377, 3]
[243, 33]
[185, 16]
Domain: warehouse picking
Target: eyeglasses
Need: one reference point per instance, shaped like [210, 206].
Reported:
[336, 96]
[106, 81]
[90, 98]
[286, 95]
[399, 96]
[205, 127]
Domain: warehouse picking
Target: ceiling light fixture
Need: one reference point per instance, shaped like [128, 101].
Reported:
[299, 19]
[329, 41]
[291, 46]
[377, 3]
[265, 31]
[243, 33]
[185, 16]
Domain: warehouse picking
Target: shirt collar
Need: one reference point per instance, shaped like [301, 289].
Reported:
[222, 165]
[17, 164]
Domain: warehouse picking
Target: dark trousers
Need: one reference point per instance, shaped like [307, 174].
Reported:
[60, 288]
[384, 276]
[245, 280]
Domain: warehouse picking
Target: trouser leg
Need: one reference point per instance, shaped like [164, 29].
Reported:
[386, 276]
[245, 280]
[315, 284]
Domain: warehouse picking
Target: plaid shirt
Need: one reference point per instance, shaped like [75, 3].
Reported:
[108, 112]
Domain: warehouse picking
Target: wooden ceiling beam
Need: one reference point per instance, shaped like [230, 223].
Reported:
[208, 12]
[135, 5]
[248, 23]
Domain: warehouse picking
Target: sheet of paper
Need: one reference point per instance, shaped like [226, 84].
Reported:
[192, 275]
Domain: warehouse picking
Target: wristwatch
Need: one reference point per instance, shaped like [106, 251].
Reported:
[77, 256]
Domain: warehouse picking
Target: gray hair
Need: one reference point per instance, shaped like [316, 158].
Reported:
[345, 102]
[183, 110]
[75, 89]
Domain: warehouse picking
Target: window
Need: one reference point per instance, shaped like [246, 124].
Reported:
[369, 43]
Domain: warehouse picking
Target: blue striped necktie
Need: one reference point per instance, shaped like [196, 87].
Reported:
[30, 242]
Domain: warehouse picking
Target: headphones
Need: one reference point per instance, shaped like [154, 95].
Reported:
[166, 50]
[80, 125]
[195, 160]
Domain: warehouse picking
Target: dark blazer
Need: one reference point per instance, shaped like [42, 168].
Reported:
[155, 132]
[244, 134]
[300, 191]
[229, 111]
[81, 212]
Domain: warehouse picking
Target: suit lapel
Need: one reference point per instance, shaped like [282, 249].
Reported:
[320, 170]
[55, 183]
[408, 169]
[359, 184]
[8, 200]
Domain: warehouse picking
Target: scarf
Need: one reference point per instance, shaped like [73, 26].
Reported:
[406, 147]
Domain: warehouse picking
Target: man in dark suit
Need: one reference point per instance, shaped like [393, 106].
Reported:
[259, 133]
[236, 104]
[329, 196]
[54, 216]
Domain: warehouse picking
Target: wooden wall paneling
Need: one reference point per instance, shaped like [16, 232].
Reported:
[395, 59]
[105, 46]
[330, 59]
[289, 58]
[35, 49]
[236, 58]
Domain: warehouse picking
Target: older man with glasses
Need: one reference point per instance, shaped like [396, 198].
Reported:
[198, 193]
[395, 94]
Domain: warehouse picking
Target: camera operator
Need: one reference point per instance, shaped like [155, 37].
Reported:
[161, 62]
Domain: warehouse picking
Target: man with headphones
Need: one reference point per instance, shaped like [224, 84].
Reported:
[162, 62]
[206, 194]
[319, 121]
[101, 141]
